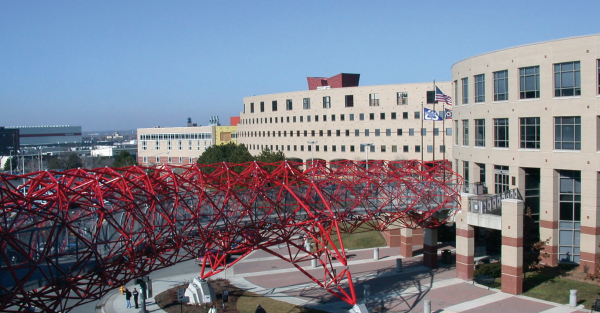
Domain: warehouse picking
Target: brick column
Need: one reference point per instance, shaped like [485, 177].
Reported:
[512, 246]
[406, 242]
[590, 219]
[430, 240]
[465, 241]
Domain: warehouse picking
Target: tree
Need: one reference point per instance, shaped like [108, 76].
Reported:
[60, 163]
[269, 156]
[12, 160]
[230, 152]
[124, 159]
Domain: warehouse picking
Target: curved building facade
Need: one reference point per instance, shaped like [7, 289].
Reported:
[345, 123]
[528, 117]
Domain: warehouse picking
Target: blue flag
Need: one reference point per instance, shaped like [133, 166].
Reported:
[431, 115]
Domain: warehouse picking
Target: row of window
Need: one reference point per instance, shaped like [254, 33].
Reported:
[342, 148]
[333, 118]
[169, 144]
[169, 159]
[567, 83]
[338, 133]
[567, 132]
[175, 136]
[401, 99]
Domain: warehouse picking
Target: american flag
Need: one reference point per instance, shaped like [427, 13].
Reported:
[440, 96]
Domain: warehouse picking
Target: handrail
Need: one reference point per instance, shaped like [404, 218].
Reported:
[493, 204]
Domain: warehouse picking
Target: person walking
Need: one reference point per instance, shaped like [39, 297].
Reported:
[135, 297]
[259, 309]
[128, 297]
[213, 309]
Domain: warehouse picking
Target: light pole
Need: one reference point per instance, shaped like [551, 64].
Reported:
[366, 146]
[312, 144]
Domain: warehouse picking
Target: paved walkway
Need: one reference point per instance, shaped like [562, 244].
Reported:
[395, 292]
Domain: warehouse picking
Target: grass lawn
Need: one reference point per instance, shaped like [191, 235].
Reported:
[556, 289]
[361, 239]
[248, 301]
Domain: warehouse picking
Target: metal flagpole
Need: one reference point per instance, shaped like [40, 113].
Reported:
[422, 118]
[433, 128]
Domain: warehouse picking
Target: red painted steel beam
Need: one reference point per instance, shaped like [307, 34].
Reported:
[67, 238]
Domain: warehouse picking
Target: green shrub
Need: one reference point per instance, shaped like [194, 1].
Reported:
[492, 270]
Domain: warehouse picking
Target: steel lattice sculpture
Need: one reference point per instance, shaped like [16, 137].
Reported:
[69, 237]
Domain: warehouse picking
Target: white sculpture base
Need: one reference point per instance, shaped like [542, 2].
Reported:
[200, 292]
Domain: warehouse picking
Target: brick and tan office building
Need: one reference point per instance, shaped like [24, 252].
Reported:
[528, 117]
[336, 117]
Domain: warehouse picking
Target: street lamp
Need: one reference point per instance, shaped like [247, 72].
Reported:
[312, 143]
[366, 146]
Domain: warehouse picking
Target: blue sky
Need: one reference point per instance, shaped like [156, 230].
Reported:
[111, 65]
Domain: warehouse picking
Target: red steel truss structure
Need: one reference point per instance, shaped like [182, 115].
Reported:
[67, 238]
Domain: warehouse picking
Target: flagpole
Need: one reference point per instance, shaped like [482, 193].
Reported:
[433, 130]
[422, 118]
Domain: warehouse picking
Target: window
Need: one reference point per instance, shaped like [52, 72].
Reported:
[372, 116]
[347, 133]
[456, 132]
[326, 102]
[301, 118]
[306, 103]
[333, 117]
[501, 85]
[382, 116]
[320, 133]
[388, 132]
[569, 203]
[480, 133]
[157, 160]
[274, 105]
[351, 117]
[567, 80]
[567, 133]
[145, 159]
[431, 97]
[169, 159]
[399, 132]
[262, 107]
[352, 148]
[404, 115]
[394, 148]
[529, 132]
[411, 131]
[374, 99]
[393, 116]
[466, 173]
[316, 118]
[465, 124]
[417, 115]
[288, 104]
[377, 132]
[308, 118]
[251, 107]
[465, 90]
[356, 132]
[366, 133]
[383, 149]
[481, 167]
[501, 132]
[479, 88]
[457, 99]
[429, 149]
[500, 178]
[529, 82]
[349, 101]
[405, 148]
[343, 148]
[417, 148]
[598, 76]
[342, 117]
[402, 98]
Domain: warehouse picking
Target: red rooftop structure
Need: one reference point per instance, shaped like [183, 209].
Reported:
[338, 81]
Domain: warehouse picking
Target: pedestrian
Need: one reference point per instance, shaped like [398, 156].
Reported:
[259, 309]
[213, 309]
[135, 297]
[128, 297]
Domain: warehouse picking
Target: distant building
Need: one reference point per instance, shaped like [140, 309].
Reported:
[181, 145]
[9, 141]
[48, 135]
